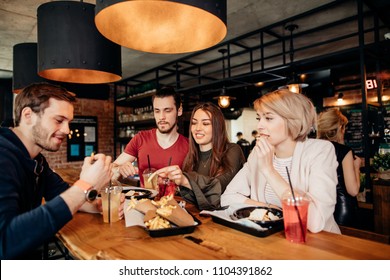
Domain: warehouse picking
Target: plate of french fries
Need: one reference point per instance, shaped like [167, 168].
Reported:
[160, 218]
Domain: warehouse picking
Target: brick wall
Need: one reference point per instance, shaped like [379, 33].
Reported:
[104, 111]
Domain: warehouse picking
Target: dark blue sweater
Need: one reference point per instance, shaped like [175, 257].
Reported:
[25, 224]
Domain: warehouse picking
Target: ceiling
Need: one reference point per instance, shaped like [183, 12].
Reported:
[18, 24]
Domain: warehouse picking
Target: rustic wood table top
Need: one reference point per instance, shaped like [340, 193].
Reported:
[87, 237]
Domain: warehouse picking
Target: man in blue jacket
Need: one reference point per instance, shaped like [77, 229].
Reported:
[42, 116]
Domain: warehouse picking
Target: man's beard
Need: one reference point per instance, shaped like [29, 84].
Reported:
[40, 136]
[168, 130]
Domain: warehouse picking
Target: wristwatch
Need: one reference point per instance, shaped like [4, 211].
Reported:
[89, 191]
[91, 194]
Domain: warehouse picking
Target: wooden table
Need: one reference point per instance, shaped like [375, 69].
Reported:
[69, 175]
[87, 237]
[381, 196]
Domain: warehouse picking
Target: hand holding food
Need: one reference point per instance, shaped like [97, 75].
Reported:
[128, 169]
[172, 172]
[96, 170]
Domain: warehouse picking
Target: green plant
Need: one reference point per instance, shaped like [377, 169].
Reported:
[381, 162]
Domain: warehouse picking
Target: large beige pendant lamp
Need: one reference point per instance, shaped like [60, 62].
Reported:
[71, 49]
[161, 26]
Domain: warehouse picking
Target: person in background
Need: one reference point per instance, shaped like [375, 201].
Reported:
[161, 144]
[284, 121]
[255, 134]
[42, 116]
[244, 144]
[211, 162]
[331, 126]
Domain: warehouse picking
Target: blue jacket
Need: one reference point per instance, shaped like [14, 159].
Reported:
[26, 223]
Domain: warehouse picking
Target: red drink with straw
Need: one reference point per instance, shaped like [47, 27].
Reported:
[295, 229]
[166, 187]
[295, 205]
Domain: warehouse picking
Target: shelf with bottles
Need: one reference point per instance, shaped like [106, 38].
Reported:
[126, 133]
[134, 112]
[139, 124]
[128, 130]
[136, 115]
[127, 95]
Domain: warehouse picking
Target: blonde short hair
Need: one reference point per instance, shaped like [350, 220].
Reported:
[331, 124]
[296, 109]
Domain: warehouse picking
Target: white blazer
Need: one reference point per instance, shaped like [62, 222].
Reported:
[313, 171]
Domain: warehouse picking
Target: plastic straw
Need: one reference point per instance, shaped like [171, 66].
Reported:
[109, 202]
[167, 180]
[148, 162]
[295, 203]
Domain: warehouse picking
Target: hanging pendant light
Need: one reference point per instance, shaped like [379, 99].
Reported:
[25, 70]
[162, 26]
[224, 99]
[25, 66]
[71, 49]
[293, 84]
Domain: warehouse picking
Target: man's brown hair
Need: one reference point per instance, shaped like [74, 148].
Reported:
[37, 95]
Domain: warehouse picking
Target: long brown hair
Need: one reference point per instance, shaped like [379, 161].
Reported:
[219, 139]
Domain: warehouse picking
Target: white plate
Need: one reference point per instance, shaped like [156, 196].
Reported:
[128, 188]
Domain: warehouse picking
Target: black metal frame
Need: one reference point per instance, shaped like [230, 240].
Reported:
[195, 79]
[189, 76]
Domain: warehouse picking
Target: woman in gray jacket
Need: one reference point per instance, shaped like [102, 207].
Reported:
[284, 121]
[211, 162]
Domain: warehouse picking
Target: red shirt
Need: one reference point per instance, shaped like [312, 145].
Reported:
[145, 143]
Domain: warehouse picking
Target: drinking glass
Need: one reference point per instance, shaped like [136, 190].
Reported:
[153, 183]
[111, 197]
[166, 187]
[295, 209]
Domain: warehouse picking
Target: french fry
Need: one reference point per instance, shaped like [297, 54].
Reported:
[152, 176]
[157, 223]
[165, 200]
[132, 203]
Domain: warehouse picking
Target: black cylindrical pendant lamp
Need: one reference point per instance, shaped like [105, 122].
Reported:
[162, 26]
[71, 49]
[25, 66]
[25, 70]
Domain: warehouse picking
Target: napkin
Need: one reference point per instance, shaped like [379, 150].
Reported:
[226, 214]
[133, 217]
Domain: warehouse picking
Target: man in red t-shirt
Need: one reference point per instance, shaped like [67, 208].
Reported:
[163, 144]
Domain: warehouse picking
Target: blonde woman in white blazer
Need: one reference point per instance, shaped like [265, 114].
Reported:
[285, 120]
